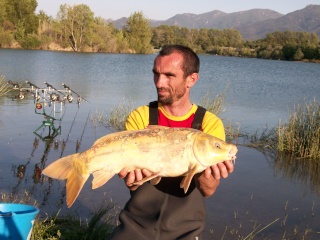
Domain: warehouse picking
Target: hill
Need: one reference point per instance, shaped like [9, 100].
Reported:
[252, 24]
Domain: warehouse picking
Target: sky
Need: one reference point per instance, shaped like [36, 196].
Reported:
[165, 9]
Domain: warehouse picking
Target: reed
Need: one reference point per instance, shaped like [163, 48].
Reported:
[118, 116]
[116, 119]
[301, 134]
[4, 86]
[299, 137]
[214, 103]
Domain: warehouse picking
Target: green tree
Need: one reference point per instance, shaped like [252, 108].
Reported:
[102, 37]
[158, 38]
[3, 13]
[5, 38]
[22, 12]
[203, 40]
[163, 35]
[298, 55]
[123, 45]
[76, 22]
[138, 33]
[44, 22]
[234, 38]
[288, 51]
[182, 36]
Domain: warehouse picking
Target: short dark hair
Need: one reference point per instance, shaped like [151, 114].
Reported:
[191, 61]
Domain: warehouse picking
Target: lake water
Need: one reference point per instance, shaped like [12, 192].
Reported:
[261, 191]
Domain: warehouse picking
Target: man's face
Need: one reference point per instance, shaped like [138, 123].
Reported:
[168, 78]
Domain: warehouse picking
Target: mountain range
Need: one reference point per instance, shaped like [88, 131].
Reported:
[253, 24]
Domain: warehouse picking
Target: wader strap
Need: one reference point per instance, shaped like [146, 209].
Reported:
[153, 113]
[198, 117]
[197, 121]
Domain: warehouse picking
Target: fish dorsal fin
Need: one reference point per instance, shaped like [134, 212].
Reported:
[111, 135]
[185, 182]
[156, 127]
[100, 177]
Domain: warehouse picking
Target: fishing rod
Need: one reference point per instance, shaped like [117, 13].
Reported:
[54, 96]
[79, 141]
[79, 96]
[15, 85]
[65, 142]
[32, 85]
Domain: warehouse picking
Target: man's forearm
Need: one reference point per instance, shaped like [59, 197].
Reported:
[207, 186]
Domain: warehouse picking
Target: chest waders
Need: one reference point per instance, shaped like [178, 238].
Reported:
[163, 211]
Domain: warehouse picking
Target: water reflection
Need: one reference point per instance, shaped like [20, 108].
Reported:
[304, 171]
[20, 170]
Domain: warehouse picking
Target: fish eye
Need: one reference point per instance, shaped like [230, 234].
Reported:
[217, 145]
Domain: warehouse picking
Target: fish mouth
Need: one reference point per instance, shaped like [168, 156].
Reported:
[232, 154]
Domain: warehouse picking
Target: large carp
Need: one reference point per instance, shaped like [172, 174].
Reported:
[164, 151]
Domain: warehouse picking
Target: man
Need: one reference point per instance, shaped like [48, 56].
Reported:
[164, 211]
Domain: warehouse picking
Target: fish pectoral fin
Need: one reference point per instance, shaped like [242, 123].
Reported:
[156, 180]
[146, 179]
[185, 182]
[100, 177]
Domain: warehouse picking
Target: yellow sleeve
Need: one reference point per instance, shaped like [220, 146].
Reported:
[213, 125]
[138, 118]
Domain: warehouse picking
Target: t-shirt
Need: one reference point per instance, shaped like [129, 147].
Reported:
[211, 124]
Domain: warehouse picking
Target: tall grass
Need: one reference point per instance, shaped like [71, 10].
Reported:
[214, 103]
[4, 86]
[299, 137]
[301, 134]
[117, 117]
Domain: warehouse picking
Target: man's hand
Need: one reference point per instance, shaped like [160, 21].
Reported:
[133, 176]
[219, 170]
[209, 179]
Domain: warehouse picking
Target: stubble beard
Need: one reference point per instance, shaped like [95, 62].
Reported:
[171, 97]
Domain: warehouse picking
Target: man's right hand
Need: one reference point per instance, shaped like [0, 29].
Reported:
[133, 176]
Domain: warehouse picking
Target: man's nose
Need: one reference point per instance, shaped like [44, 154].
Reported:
[159, 81]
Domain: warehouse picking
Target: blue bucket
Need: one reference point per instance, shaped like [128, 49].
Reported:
[16, 221]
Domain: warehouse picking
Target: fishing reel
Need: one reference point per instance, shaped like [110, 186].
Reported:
[16, 86]
[54, 97]
[21, 95]
[69, 97]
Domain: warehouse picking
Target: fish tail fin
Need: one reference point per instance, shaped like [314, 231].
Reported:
[74, 185]
[64, 169]
[60, 169]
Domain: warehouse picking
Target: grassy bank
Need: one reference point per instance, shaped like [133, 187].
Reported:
[73, 228]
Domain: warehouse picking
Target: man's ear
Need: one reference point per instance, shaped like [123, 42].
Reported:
[192, 79]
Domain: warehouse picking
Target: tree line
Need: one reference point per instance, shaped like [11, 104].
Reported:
[77, 28]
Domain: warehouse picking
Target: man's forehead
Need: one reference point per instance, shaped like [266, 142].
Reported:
[172, 59]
